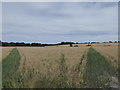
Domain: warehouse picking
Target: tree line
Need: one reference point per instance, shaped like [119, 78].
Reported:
[31, 44]
[42, 45]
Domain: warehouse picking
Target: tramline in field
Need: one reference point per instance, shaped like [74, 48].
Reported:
[60, 67]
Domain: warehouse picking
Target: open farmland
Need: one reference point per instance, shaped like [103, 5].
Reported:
[56, 44]
[54, 66]
[6, 51]
[47, 61]
[63, 67]
[110, 51]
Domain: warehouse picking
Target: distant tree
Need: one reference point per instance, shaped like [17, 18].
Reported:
[76, 42]
[11, 44]
[115, 41]
[93, 42]
[71, 45]
[110, 41]
[0, 43]
[27, 44]
[64, 43]
[88, 44]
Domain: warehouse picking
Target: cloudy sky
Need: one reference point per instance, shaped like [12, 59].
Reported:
[52, 22]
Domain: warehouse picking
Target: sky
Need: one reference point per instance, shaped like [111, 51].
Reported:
[53, 22]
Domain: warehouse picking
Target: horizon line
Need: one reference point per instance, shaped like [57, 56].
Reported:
[58, 42]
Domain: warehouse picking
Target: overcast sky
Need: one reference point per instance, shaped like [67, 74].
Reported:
[53, 22]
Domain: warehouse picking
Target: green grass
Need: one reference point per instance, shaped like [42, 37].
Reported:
[10, 65]
[98, 70]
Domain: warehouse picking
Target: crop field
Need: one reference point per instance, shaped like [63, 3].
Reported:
[110, 51]
[60, 66]
[6, 51]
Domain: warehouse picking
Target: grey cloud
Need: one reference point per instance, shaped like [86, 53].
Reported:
[55, 22]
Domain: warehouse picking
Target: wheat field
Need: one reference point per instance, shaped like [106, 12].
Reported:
[56, 66]
[6, 51]
[45, 60]
[110, 51]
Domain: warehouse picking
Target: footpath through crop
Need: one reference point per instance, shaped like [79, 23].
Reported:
[98, 71]
[93, 71]
[10, 65]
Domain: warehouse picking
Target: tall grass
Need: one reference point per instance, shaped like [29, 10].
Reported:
[60, 80]
[92, 71]
[78, 72]
[98, 70]
[10, 65]
[63, 72]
